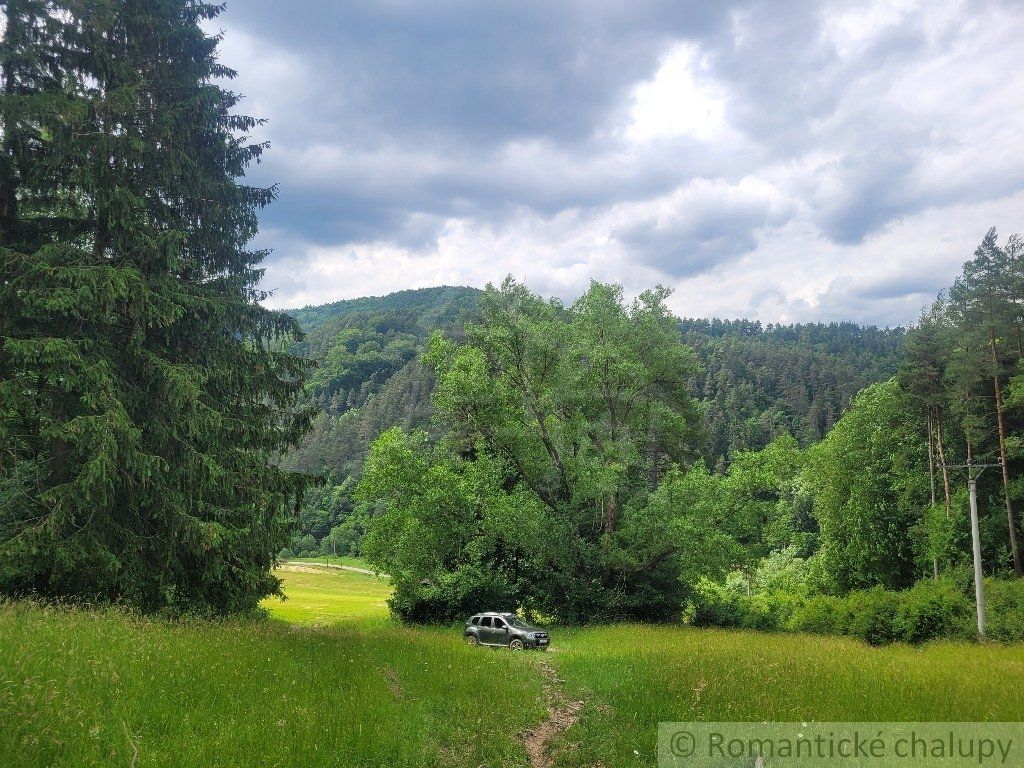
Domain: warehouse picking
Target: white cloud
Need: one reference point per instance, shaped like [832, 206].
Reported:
[681, 99]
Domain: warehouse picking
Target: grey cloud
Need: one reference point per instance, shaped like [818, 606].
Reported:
[912, 287]
[870, 190]
[711, 226]
[486, 72]
[845, 300]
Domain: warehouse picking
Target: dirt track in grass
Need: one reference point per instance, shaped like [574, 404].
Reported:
[562, 715]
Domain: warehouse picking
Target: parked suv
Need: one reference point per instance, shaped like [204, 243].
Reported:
[506, 630]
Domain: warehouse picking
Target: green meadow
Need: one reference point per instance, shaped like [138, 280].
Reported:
[326, 596]
[329, 679]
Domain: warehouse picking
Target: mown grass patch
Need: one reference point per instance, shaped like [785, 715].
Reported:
[353, 562]
[635, 676]
[318, 595]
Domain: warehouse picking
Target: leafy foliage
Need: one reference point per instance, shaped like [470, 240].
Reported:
[560, 424]
[863, 477]
[927, 611]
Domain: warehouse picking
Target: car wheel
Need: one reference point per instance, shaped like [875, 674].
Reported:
[516, 645]
[472, 640]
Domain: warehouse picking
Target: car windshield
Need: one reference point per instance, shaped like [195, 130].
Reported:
[516, 622]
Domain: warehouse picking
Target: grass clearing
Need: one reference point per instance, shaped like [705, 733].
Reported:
[332, 681]
[87, 688]
[634, 676]
[351, 562]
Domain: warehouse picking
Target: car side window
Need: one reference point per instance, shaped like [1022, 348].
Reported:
[485, 621]
[476, 619]
[499, 623]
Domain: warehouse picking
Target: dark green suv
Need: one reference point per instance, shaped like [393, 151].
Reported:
[505, 630]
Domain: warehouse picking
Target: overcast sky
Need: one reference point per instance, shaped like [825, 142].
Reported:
[785, 161]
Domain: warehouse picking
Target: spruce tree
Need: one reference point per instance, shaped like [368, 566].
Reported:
[145, 391]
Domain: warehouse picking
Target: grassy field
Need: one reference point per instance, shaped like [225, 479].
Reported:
[635, 676]
[88, 688]
[328, 596]
[330, 680]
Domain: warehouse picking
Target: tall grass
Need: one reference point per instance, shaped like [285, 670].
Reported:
[330, 680]
[89, 688]
[636, 676]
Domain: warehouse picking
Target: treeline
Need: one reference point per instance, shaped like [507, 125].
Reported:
[567, 474]
[368, 376]
[887, 486]
[433, 307]
[962, 373]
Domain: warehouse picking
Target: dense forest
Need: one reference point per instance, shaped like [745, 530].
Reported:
[754, 384]
[757, 383]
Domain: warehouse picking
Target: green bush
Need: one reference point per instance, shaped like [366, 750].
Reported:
[452, 596]
[872, 615]
[933, 609]
[928, 610]
[1004, 604]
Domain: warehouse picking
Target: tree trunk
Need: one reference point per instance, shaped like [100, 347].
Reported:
[931, 455]
[943, 463]
[611, 513]
[1018, 567]
[931, 478]
[8, 192]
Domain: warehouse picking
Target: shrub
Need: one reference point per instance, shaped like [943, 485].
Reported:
[1004, 603]
[933, 609]
[820, 615]
[928, 610]
[452, 596]
[872, 613]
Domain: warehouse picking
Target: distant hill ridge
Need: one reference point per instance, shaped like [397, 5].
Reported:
[758, 381]
[434, 301]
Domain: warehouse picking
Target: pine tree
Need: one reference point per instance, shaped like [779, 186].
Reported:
[146, 392]
[985, 302]
[926, 351]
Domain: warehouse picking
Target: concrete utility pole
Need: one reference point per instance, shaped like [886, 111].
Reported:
[979, 575]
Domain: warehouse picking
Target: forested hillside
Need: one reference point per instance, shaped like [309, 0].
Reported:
[431, 306]
[758, 382]
[753, 383]
[369, 376]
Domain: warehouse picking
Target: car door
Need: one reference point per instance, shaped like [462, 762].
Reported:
[484, 633]
[499, 633]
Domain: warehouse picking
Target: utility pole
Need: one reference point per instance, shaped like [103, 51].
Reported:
[979, 576]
